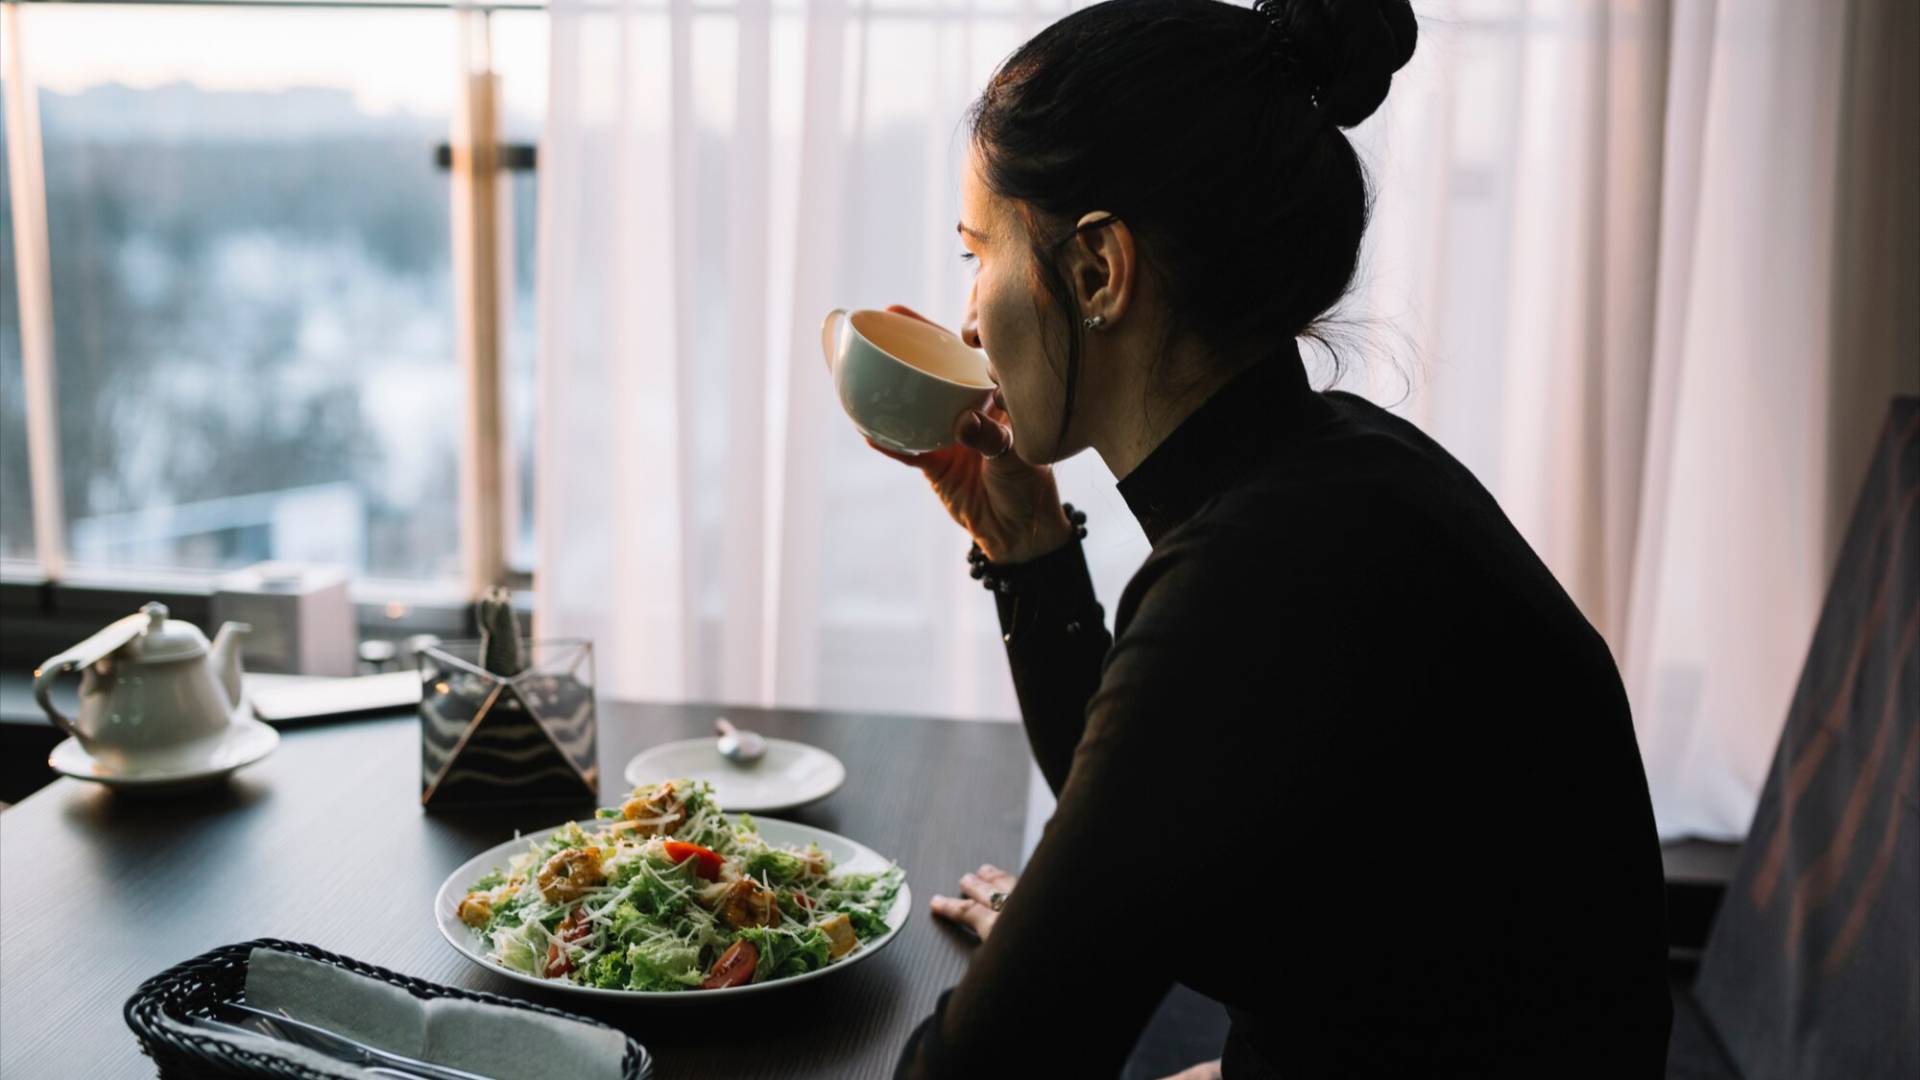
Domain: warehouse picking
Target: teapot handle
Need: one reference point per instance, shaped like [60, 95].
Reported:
[829, 334]
[43, 681]
[82, 656]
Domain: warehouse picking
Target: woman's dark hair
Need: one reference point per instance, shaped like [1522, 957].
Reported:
[1213, 131]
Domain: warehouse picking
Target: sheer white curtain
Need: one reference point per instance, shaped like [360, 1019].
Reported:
[1631, 263]
[1656, 262]
[714, 178]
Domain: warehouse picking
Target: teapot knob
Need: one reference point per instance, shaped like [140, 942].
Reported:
[156, 613]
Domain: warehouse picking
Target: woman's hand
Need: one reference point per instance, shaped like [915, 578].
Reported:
[1010, 508]
[975, 910]
[1207, 1070]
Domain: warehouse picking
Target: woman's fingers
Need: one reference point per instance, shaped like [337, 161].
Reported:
[971, 914]
[979, 888]
[996, 877]
[983, 435]
[1209, 1070]
[968, 427]
[975, 910]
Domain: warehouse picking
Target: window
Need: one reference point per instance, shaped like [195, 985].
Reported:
[260, 211]
[256, 335]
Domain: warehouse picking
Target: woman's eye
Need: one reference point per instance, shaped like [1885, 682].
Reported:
[969, 257]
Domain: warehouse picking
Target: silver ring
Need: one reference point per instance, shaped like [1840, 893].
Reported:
[996, 900]
[1001, 454]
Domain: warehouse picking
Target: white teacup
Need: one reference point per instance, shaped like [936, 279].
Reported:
[904, 382]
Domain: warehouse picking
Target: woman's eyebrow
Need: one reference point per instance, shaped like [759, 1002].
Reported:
[975, 233]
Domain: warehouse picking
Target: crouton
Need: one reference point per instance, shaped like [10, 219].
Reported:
[745, 903]
[840, 938]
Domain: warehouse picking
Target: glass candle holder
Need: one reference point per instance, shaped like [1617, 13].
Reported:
[525, 738]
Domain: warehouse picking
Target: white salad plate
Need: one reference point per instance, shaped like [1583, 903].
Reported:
[199, 762]
[847, 856]
[791, 774]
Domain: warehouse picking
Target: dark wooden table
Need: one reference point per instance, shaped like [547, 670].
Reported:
[325, 842]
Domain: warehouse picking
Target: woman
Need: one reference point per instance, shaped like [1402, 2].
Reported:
[1352, 763]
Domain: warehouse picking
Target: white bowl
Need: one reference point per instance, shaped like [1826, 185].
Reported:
[847, 856]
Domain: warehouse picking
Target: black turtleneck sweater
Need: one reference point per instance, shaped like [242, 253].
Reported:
[1352, 764]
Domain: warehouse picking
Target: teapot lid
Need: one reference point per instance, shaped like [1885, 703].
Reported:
[164, 638]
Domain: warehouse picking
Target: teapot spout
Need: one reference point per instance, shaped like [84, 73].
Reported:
[225, 659]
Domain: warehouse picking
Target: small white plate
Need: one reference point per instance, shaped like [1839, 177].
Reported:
[792, 774]
[203, 761]
[847, 856]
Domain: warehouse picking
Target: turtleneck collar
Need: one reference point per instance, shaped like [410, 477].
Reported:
[1245, 420]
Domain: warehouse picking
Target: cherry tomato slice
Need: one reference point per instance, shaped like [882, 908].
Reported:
[706, 864]
[734, 968]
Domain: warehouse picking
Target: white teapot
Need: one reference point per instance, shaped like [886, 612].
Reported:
[148, 684]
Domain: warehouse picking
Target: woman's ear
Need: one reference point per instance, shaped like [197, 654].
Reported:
[1103, 266]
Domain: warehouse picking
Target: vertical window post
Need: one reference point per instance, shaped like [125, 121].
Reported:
[33, 269]
[477, 252]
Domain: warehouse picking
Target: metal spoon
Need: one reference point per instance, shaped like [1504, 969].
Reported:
[739, 747]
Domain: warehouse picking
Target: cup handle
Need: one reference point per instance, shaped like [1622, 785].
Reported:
[43, 681]
[829, 330]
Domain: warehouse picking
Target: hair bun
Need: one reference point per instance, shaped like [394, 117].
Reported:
[1344, 51]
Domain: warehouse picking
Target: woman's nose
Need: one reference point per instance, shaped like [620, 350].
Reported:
[970, 333]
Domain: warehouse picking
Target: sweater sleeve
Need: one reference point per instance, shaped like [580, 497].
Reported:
[1056, 638]
[1071, 973]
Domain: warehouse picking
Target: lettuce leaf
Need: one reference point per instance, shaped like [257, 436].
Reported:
[662, 964]
[864, 899]
[775, 867]
[786, 952]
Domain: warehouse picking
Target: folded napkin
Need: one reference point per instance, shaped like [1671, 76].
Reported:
[493, 1040]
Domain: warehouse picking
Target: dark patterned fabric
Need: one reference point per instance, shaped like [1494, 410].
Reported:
[1813, 969]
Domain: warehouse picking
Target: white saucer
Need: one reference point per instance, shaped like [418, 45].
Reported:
[792, 774]
[204, 760]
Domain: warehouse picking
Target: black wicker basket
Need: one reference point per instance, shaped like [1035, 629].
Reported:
[194, 987]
